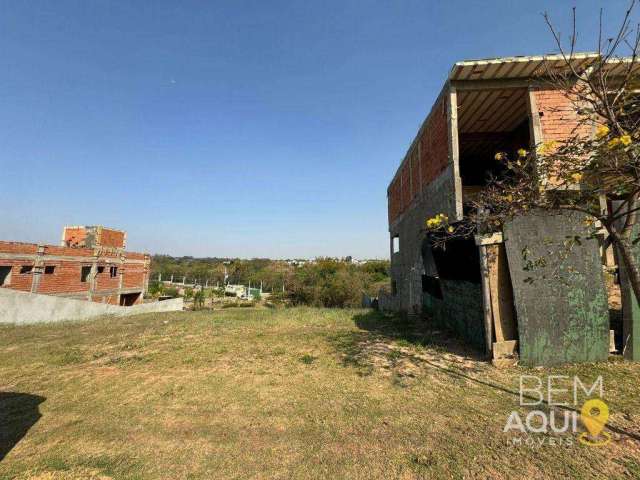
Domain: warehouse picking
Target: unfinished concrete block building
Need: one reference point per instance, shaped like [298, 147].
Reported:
[488, 106]
[90, 264]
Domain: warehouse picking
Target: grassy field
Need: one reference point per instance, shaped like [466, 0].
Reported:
[297, 393]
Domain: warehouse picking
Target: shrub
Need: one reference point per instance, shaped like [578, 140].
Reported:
[171, 292]
[155, 288]
[328, 283]
[198, 300]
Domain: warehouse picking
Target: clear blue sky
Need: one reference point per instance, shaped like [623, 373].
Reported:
[262, 128]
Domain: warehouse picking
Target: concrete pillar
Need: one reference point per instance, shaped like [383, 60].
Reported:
[38, 269]
[92, 277]
[121, 273]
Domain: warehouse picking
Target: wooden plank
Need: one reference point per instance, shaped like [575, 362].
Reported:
[489, 238]
[486, 300]
[501, 294]
[505, 349]
[454, 153]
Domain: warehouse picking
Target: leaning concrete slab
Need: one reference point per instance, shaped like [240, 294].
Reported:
[559, 289]
[23, 308]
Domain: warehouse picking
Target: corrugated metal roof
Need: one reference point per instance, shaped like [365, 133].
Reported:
[516, 67]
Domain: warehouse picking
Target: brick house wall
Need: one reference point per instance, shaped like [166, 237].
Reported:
[558, 117]
[424, 162]
[55, 270]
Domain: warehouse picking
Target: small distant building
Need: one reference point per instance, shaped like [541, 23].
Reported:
[90, 264]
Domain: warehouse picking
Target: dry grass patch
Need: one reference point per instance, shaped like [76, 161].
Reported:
[290, 393]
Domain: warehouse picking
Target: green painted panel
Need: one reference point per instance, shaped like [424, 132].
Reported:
[630, 309]
[559, 291]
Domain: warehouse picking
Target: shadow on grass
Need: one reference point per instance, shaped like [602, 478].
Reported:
[18, 413]
[377, 328]
[396, 338]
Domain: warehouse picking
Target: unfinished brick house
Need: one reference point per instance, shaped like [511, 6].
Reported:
[90, 264]
[488, 106]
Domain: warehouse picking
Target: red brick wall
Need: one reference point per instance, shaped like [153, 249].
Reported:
[428, 157]
[415, 173]
[17, 247]
[74, 235]
[112, 238]
[104, 281]
[133, 276]
[558, 117]
[64, 279]
[106, 237]
[434, 144]
[68, 262]
[18, 281]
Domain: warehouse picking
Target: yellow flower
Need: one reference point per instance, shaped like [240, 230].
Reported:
[450, 229]
[547, 147]
[509, 198]
[613, 143]
[522, 152]
[437, 221]
[433, 222]
[500, 156]
[576, 177]
[602, 131]
[625, 140]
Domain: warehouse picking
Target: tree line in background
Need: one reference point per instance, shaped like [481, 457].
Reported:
[324, 282]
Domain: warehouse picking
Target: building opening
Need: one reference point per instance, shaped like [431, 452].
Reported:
[489, 121]
[84, 273]
[5, 275]
[395, 243]
[128, 299]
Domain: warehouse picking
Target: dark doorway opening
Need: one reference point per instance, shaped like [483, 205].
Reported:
[5, 275]
[128, 299]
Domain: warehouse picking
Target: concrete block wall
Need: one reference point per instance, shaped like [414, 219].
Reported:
[461, 310]
[407, 265]
[23, 308]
